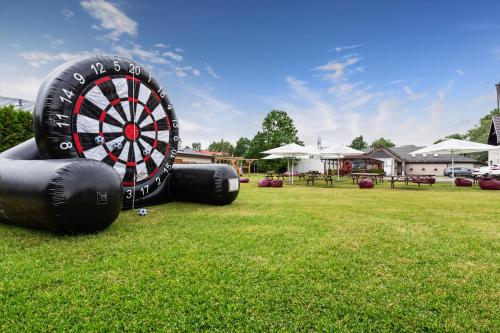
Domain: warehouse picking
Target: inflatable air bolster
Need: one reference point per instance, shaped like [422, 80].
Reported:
[216, 184]
[66, 196]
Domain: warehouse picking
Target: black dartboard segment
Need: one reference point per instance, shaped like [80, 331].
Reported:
[111, 110]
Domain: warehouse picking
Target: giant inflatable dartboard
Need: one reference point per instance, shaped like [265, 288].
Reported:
[112, 110]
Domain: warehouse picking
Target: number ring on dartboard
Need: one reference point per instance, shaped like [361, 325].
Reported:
[135, 130]
[112, 110]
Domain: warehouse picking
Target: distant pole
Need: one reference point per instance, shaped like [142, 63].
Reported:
[498, 94]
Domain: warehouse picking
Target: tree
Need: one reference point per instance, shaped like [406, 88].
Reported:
[359, 143]
[277, 130]
[221, 146]
[480, 133]
[242, 146]
[452, 136]
[382, 142]
[16, 126]
[196, 146]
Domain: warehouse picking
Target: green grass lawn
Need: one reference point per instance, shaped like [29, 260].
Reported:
[289, 259]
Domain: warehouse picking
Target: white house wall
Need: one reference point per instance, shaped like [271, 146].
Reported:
[309, 164]
[436, 169]
[389, 165]
[494, 157]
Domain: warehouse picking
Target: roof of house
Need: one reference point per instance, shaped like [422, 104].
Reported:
[17, 103]
[403, 153]
[192, 153]
[494, 135]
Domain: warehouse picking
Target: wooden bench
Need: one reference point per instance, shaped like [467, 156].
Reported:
[328, 179]
[310, 179]
[416, 179]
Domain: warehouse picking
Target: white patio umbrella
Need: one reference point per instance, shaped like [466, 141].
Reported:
[273, 157]
[291, 150]
[276, 157]
[339, 152]
[455, 146]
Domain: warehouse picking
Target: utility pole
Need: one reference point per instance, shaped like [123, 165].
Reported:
[498, 94]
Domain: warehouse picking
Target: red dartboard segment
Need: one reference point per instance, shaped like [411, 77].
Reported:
[78, 104]
[78, 145]
[102, 80]
[154, 172]
[113, 137]
[129, 77]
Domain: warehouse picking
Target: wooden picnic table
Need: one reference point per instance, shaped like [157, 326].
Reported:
[270, 175]
[313, 177]
[407, 179]
[372, 175]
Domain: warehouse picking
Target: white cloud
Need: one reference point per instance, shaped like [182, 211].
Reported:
[56, 42]
[67, 13]
[178, 50]
[348, 109]
[211, 71]
[398, 81]
[181, 71]
[20, 87]
[445, 90]
[110, 18]
[335, 69]
[172, 55]
[37, 59]
[161, 45]
[347, 47]
[206, 100]
[137, 51]
[343, 89]
[408, 90]
[413, 96]
[460, 72]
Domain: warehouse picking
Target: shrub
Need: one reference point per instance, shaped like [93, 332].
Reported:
[377, 170]
[16, 126]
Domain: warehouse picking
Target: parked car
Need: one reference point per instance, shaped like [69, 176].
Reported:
[495, 171]
[459, 172]
[492, 170]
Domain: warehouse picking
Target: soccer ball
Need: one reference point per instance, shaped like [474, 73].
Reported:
[146, 152]
[117, 145]
[142, 212]
[99, 140]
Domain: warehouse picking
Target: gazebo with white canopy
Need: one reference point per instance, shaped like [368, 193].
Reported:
[288, 151]
[455, 146]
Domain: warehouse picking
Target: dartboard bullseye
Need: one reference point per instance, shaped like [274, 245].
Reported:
[111, 110]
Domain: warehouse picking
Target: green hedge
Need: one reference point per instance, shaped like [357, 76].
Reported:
[16, 126]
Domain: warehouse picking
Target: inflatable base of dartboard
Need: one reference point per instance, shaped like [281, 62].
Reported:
[93, 116]
[84, 196]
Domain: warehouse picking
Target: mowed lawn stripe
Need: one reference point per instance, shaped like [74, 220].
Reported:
[296, 258]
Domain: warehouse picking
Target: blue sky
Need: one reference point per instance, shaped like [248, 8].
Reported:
[411, 71]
